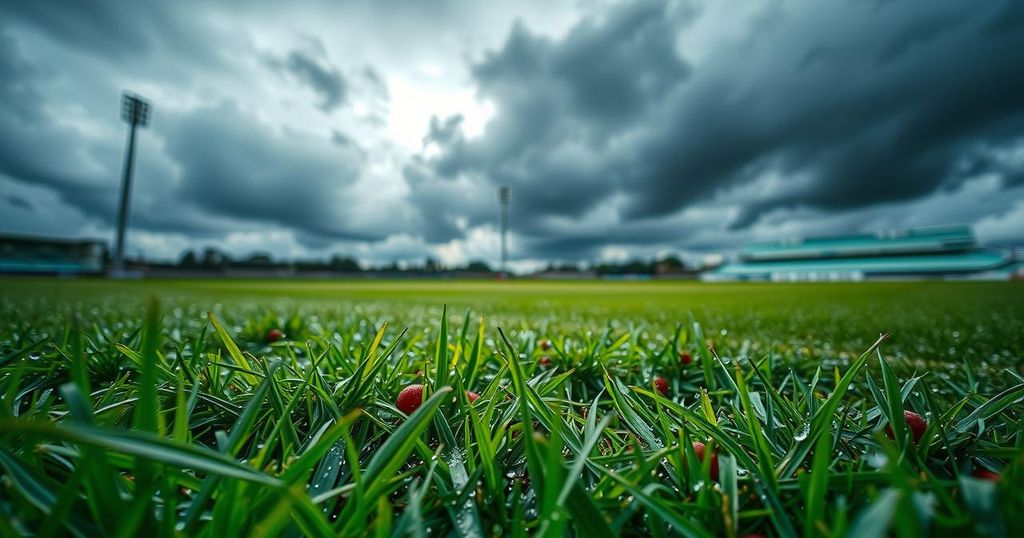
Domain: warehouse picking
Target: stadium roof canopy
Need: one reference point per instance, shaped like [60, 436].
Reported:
[918, 241]
[42, 255]
[924, 253]
[950, 263]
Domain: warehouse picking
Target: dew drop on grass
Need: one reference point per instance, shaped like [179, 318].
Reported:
[877, 459]
[803, 432]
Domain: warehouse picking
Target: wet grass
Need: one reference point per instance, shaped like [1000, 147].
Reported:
[123, 416]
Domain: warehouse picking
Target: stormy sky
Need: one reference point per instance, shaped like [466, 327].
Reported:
[383, 129]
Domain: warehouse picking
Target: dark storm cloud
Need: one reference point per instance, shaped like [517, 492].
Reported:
[561, 108]
[108, 27]
[28, 135]
[375, 81]
[20, 202]
[851, 105]
[200, 172]
[233, 165]
[1009, 19]
[587, 245]
[221, 168]
[129, 32]
[443, 132]
[319, 75]
[85, 175]
[341, 139]
[625, 130]
[15, 92]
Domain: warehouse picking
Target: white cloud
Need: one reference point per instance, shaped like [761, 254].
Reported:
[480, 243]
[1005, 227]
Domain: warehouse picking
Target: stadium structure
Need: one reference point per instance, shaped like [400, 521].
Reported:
[49, 256]
[949, 252]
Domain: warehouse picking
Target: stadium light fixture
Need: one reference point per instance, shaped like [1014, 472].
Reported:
[505, 197]
[135, 112]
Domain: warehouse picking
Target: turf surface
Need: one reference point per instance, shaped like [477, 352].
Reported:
[929, 322]
[123, 416]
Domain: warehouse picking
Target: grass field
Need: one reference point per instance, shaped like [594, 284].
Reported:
[176, 415]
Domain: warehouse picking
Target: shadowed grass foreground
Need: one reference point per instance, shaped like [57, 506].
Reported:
[124, 420]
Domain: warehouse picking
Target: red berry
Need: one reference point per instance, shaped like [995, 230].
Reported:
[685, 358]
[985, 474]
[273, 335]
[661, 384]
[915, 423]
[409, 399]
[471, 396]
[545, 344]
[545, 361]
[698, 447]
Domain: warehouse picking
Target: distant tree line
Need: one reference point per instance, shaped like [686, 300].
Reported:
[213, 259]
[668, 265]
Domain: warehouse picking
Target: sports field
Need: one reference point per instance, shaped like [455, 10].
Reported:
[944, 322]
[249, 407]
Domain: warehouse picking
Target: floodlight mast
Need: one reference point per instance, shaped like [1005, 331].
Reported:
[135, 112]
[505, 196]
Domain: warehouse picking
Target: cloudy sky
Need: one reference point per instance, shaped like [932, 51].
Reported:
[382, 129]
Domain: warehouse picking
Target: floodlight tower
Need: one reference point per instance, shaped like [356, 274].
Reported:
[505, 196]
[135, 112]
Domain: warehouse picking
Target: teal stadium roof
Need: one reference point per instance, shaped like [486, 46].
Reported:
[41, 255]
[926, 252]
[918, 241]
[967, 262]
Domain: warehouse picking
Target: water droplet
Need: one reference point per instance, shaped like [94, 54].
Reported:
[803, 432]
[877, 459]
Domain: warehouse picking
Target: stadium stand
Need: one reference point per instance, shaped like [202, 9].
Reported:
[46, 256]
[950, 252]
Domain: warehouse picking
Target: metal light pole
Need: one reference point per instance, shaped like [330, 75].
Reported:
[135, 112]
[505, 196]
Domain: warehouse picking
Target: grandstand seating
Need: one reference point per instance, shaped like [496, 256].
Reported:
[34, 255]
[942, 252]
